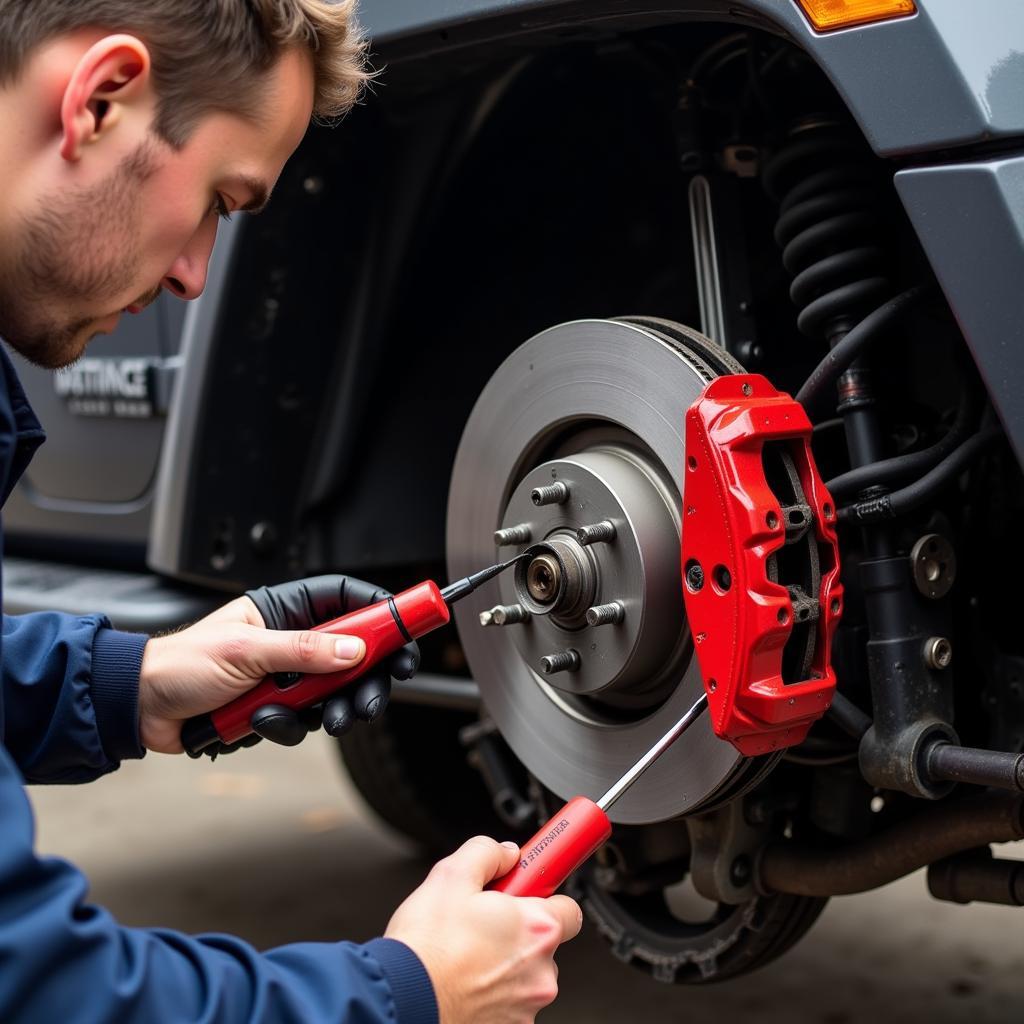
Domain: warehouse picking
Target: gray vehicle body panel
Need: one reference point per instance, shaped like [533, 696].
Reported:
[94, 479]
[970, 220]
[951, 75]
[198, 338]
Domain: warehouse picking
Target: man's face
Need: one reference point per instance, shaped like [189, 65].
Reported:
[82, 257]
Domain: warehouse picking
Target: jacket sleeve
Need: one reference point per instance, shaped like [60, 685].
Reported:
[70, 695]
[65, 960]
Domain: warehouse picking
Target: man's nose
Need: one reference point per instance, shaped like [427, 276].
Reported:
[186, 277]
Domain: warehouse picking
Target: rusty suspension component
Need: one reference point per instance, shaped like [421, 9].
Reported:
[940, 831]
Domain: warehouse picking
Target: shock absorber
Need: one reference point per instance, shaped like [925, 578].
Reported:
[828, 228]
[831, 227]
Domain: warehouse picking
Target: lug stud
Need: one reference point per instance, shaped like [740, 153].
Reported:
[520, 534]
[610, 614]
[504, 615]
[561, 661]
[596, 533]
[554, 494]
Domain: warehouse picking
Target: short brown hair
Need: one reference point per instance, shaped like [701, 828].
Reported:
[207, 54]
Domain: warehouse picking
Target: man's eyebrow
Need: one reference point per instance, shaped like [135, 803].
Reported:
[260, 195]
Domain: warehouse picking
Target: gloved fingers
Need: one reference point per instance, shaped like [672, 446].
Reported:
[338, 715]
[365, 700]
[404, 663]
[216, 749]
[371, 694]
[279, 724]
[302, 604]
[312, 717]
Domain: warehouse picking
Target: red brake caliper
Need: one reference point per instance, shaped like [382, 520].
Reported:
[733, 525]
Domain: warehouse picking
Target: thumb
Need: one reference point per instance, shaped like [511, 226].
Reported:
[480, 860]
[304, 651]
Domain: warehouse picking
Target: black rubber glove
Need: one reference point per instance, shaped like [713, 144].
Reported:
[302, 604]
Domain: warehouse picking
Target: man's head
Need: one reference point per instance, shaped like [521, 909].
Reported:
[129, 125]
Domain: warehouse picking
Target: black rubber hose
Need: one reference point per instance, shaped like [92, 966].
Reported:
[848, 716]
[822, 381]
[937, 832]
[898, 503]
[890, 471]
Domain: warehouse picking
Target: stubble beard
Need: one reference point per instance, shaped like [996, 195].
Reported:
[81, 250]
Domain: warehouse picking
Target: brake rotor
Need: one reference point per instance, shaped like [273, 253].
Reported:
[597, 408]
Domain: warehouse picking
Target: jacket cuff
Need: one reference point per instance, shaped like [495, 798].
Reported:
[411, 987]
[114, 688]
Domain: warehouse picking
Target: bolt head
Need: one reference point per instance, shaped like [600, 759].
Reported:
[695, 576]
[938, 652]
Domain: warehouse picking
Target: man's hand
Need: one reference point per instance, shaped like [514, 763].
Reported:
[220, 658]
[489, 955]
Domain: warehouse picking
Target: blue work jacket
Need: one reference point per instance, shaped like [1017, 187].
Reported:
[68, 714]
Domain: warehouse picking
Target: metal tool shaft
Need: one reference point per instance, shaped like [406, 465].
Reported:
[460, 588]
[653, 754]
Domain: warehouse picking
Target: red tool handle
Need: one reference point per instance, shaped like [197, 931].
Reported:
[557, 850]
[417, 611]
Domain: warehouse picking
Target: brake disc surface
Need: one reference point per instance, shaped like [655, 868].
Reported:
[599, 404]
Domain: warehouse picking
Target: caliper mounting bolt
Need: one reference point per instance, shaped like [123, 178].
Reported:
[596, 533]
[610, 614]
[520, 534]
[560, 661]
[694, 575]
[504, 615]
[554, 494]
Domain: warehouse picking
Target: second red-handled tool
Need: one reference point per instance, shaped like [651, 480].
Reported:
[384, 627]
[580, 827]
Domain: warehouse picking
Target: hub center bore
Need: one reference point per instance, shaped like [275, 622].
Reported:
[544, 579]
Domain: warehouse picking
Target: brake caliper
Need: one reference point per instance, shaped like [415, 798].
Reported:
[760, 564]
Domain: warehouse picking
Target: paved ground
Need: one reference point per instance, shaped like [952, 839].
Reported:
[273, 845]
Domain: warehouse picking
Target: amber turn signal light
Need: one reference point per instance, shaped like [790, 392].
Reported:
[827, 15]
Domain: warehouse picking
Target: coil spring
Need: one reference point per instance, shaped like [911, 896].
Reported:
[830, 220]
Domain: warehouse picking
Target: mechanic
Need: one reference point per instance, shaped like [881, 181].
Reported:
[129, 127]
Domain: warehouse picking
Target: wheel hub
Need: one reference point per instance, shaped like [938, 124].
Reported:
[628, 661]
[582, 429]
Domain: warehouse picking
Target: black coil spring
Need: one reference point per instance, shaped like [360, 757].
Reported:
[830, 224]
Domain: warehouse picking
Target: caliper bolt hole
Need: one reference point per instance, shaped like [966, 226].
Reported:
[722, 578]
[694, 575]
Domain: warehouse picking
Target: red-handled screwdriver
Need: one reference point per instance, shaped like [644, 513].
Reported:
[580, 827]
[384, 627]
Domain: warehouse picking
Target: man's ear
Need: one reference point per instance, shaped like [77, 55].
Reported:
[113, 74]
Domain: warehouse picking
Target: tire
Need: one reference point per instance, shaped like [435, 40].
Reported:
[411, 770]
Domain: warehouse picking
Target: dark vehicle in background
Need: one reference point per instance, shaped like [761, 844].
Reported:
[602, 180]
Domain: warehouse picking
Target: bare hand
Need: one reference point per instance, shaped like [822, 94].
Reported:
[489, 955]
[220, 658]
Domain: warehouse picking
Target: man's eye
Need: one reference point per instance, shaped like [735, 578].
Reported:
[220, 207]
